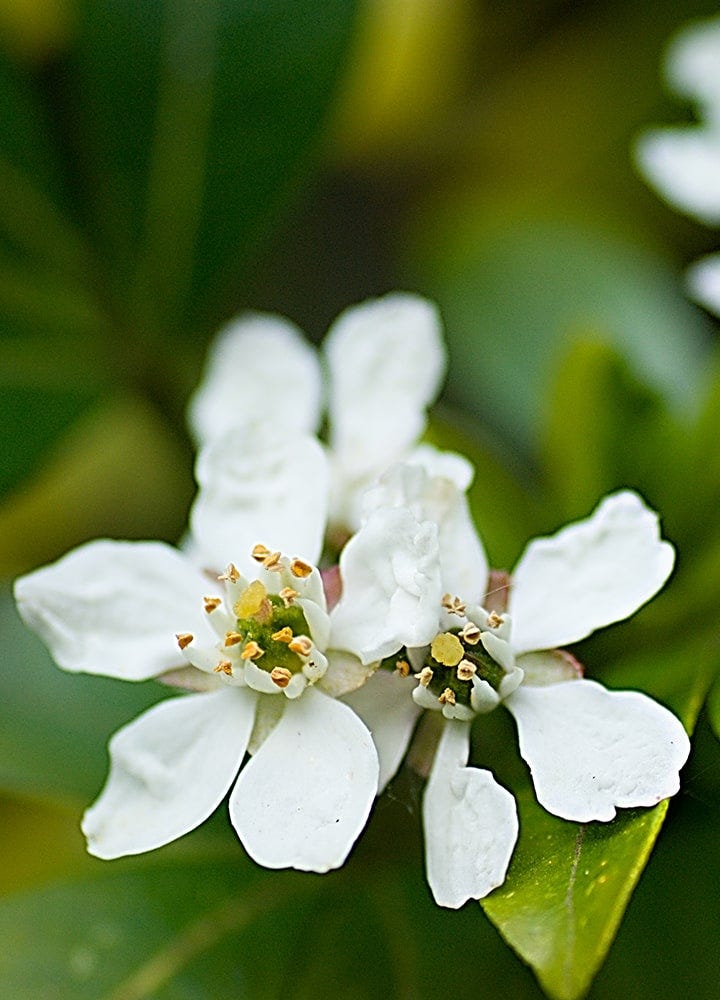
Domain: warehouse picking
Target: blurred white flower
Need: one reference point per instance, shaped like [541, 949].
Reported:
[473, 640]
[384, 360]
[252, 646]
[683, 162]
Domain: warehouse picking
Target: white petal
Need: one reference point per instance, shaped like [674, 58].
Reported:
[470, 824]
[386, 360]
[684, 165]
[169, 770]
[258, 364]
[588, 575]
[437, 498]
[266, 488]
[693, 64]
[386, 707]
[448, 464]
[590, 749]
[303, 799]
[113, 608]
[345, 673]
[391, 587]
[703, 279]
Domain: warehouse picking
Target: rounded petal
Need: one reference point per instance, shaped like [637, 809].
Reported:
[391, 587]
[262, 487]
[590, 749]
[588, 575]
[113, 608]
[683, 164]
[386, 360]
[703, 279]
[437, 497]
[386, 707]
[257, 361]
[169, 770]
[693, 64]
[448, 464]
[470, 823]
[303, 799]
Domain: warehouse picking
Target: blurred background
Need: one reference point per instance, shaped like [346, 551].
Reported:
[165, 164]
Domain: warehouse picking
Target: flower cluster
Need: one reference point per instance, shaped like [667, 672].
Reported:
[303, 679]
[683, 162]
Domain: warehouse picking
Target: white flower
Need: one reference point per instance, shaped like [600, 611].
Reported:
[252, 645]
[382, 357]
[475, 639]
[683, 163]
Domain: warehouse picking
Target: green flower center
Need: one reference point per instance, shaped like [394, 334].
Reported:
[270, 631]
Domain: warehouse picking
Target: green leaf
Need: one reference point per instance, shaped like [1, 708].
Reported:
[713, 706]
[518, 289]
[569, 884]
[192, 124]
[54, 726]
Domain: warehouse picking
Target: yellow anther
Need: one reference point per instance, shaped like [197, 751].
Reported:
[252, 651]
[447, 649]
[471, 634]
[233, 638]
[466, 670]
[231, 574]
[301, 645]
[300, 569]
[284, 635]
[184, 639]
[211, 603]
[288, 595]
[453, 605]
[224, 667]
[403, 668]
[447, 697]
[260, 552]
[494, 620]
[425, 676]
[280, 676]
[251, 600]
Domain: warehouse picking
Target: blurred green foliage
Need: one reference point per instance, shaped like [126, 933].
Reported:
[164, 164]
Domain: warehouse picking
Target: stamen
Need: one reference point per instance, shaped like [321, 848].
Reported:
[224, 667]
[288, 595]
[301, 645]
[300, 569]
[233, 638]
[252, 651]
[494, 620]
[453, 605]
[284, 635]
[402, 667]
[262, 554]
[184, 639]
[447, 649]
[280, 676]
[425, 676]
[447, 697]
[211, 603]
[466, 670]
[470, 634]
[231, 574]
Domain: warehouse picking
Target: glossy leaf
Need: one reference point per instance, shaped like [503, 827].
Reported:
[569, 883]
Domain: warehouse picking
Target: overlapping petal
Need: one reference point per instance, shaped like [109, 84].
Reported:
[386, 360]
[588, 575]
[169, 770]
[391, 586]
[258, 364]
[113, 608]
[470, 824]
[268, 488]
[304, 797]
[385, 706]
[591, 750]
